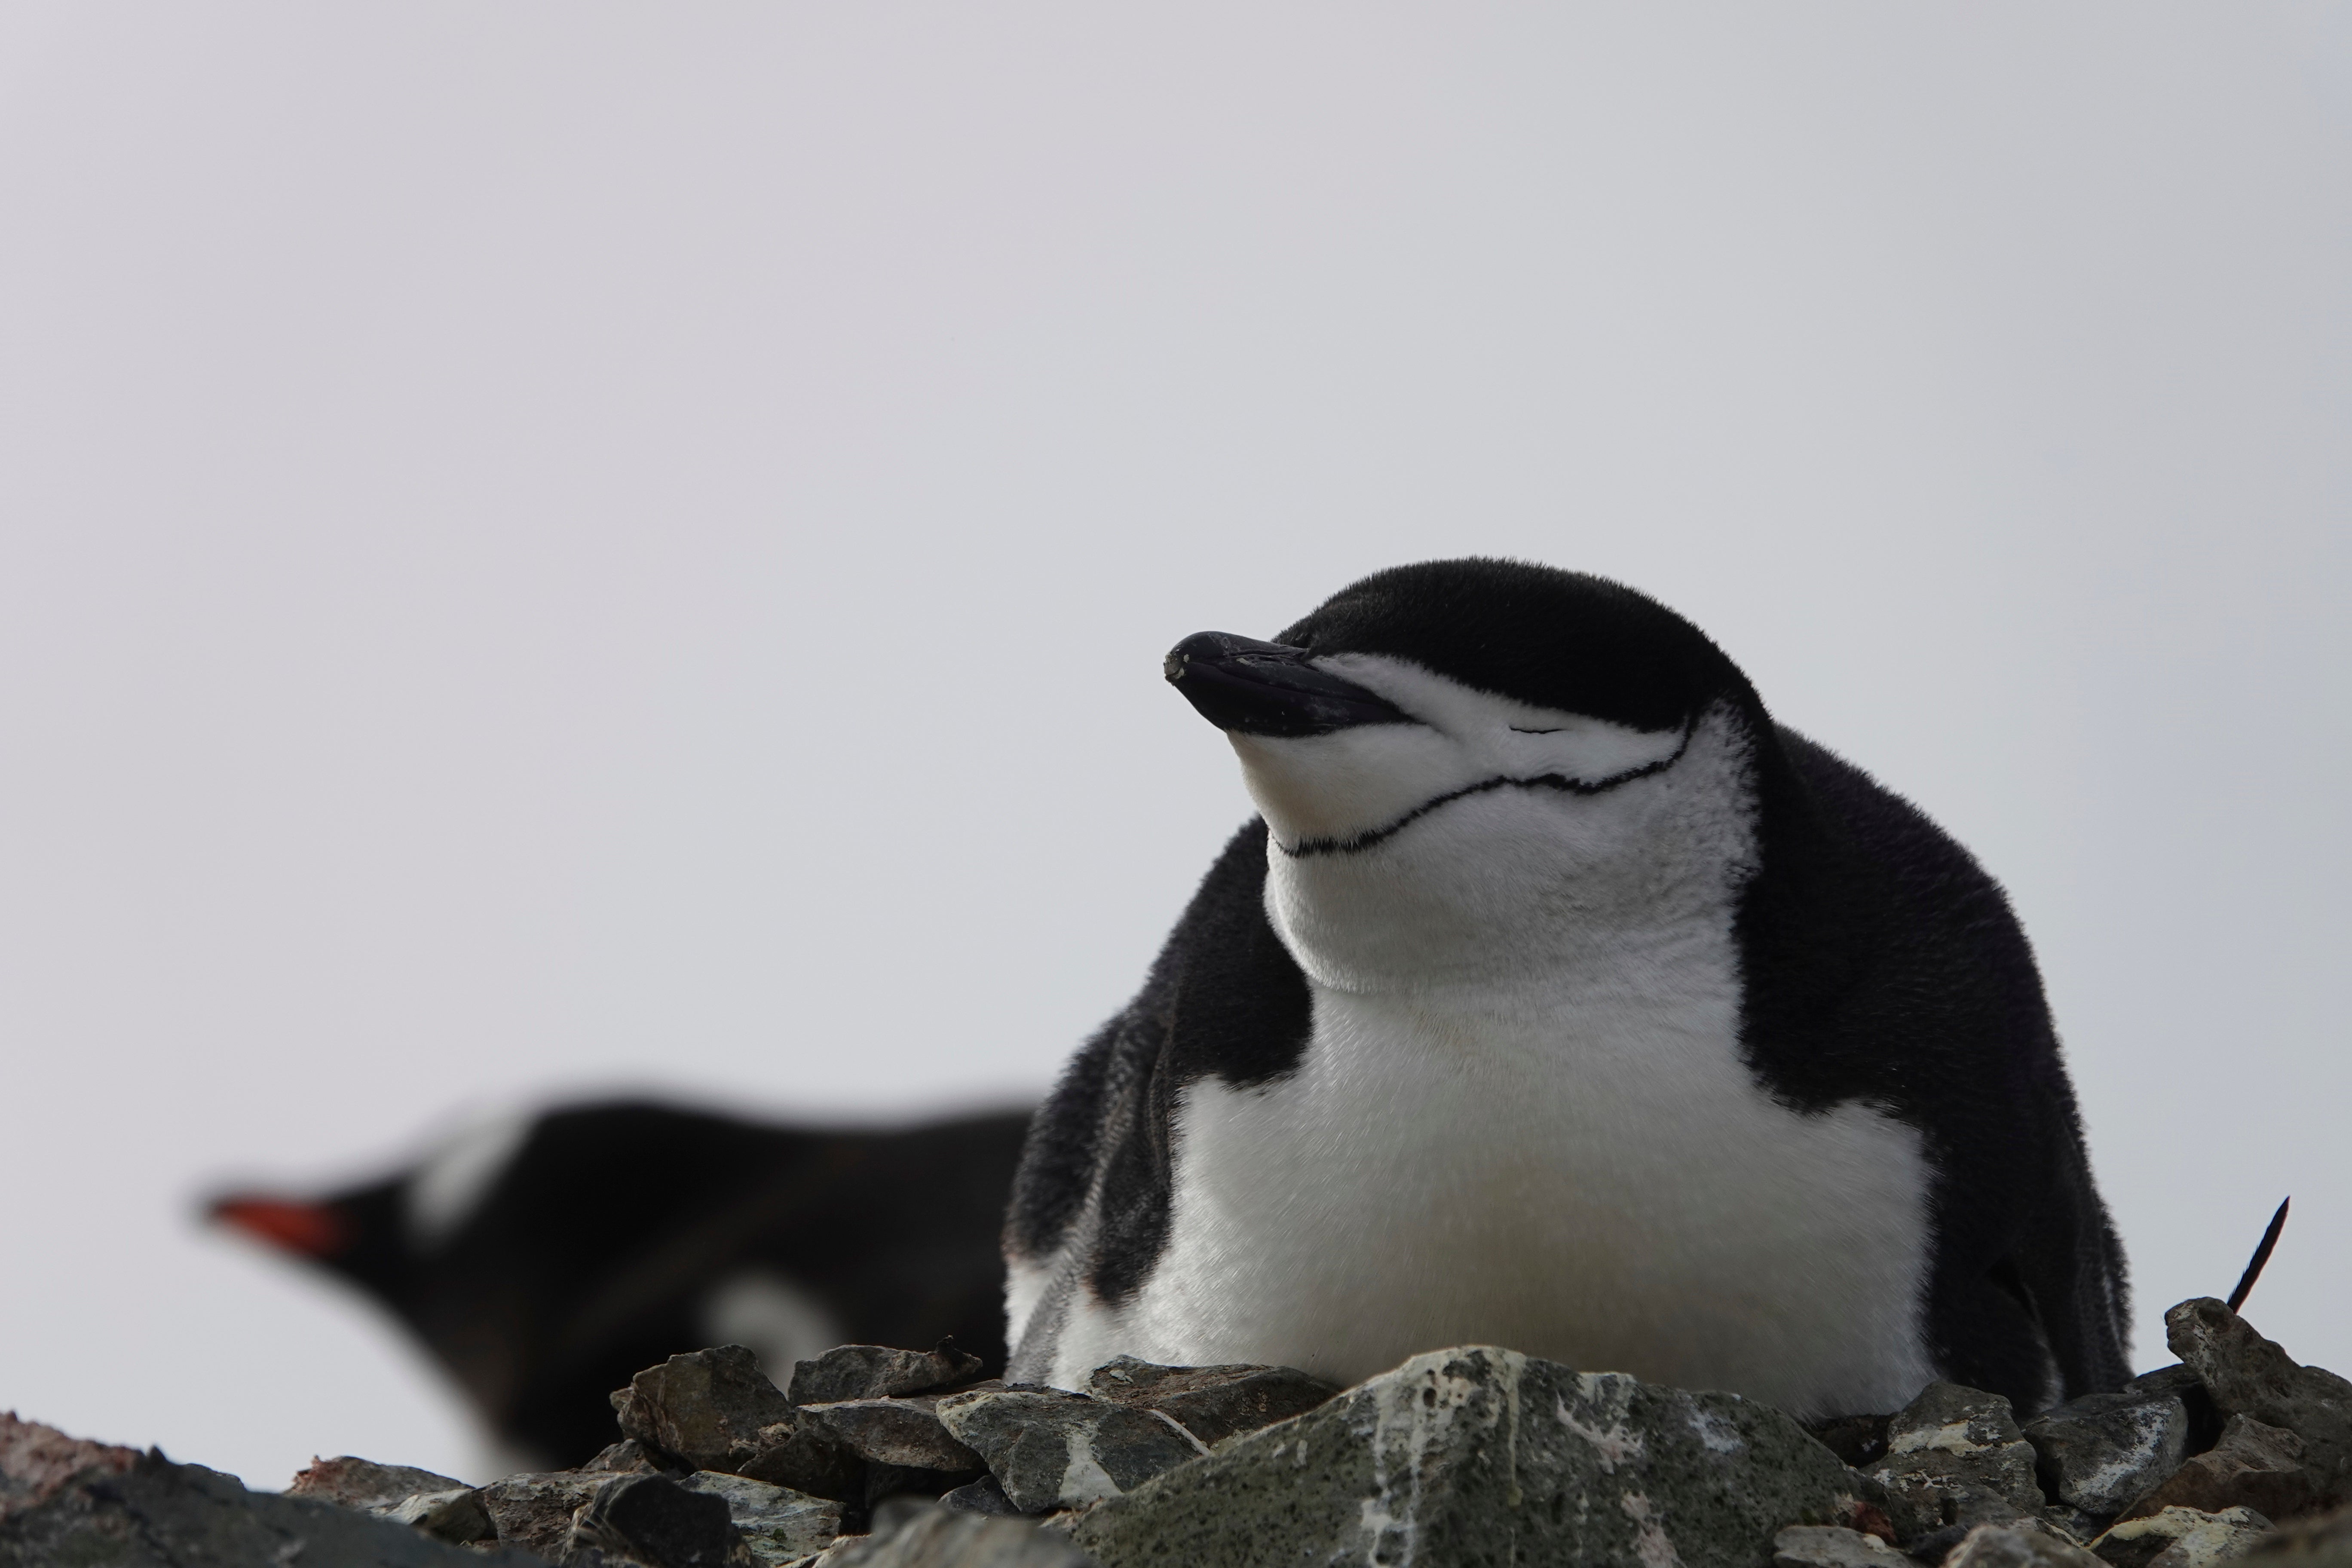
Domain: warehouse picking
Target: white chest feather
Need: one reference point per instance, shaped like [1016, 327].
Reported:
[1522, 1119]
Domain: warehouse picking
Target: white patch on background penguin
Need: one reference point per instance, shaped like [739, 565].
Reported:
[771, 1317]
[443, 1193]
[1523, 1117]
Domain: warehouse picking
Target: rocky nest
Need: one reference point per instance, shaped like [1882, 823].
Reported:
[891, 1459]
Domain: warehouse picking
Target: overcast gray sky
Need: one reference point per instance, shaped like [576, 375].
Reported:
[546, 547]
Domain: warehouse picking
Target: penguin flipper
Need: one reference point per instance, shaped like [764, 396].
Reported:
[1090, 1200]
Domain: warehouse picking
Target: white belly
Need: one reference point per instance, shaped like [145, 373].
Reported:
[1602, 1185]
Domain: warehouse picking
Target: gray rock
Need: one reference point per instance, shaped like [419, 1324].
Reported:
[2249, 1376]
[778, 1525]
[651, 1520]
[2017, 1545]
[1051, 1449]
[2181, 1538]
[533, 1511]
[2253, 1466]
[2101, 1453]
[1479, 1454]
[2321, 1541]
[152, 1514]
[985, 1495]
[366, 1485]
[630, 1457]
[458, 1516]
[906, 1432]
[929, 1536]
[1954, 1456]
[715, 1410]
[708, 1407]
[878, 1372]
[37, 1462]
[1833, 1546]
[1212, 1402]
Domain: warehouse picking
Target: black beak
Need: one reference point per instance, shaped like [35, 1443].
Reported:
[1250, 688]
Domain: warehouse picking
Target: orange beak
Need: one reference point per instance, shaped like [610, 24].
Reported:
[313, 1230]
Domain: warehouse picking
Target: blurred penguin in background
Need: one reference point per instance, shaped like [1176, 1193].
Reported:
[543, 1259]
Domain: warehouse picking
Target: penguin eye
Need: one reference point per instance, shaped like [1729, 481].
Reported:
[1555, 730]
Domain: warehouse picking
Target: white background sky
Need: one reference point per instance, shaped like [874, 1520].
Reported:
[546, 547]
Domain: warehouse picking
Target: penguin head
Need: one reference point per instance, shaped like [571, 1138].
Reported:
[1466, 765]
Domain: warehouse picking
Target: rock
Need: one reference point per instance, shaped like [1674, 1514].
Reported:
[2101, 1453]
[2017, 1546]
[709, 1407]
[906, 1432]
[985, 1495]
[1479, 1454]
[1955, 1456]
[2181, 1538]
[778, 1525]
[1833, 1546]
[2248, 1376]
[152, 1514]
[2321, 1541]
[1051, 1449]
[878, 1372]
[38, 1462]
[533, 1511]
[715, 1410]
[1212, 1402]
[929, 1536]
[630, 1457]
[1859, 1440]
[653, 1521]
[2253, 1466]
[458, 1516]
[366, 1485]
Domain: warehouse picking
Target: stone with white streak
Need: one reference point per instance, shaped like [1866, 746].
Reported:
[2181, 1538]
[1480, 1454]
[1955, 1456]
[1049, 1449]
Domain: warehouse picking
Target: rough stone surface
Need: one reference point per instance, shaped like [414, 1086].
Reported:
[653, 1521]
[929, 1536]
[533, 1511]
[1833, 1546]
[1051, 1449]
[709, 1407]
[985, 1495]
[778, 1524]
[2321, 1541]
[2181, 1538]
[2248, 1376]
[363, 1484]
[1212, 1402]
[1955, 1456]
[458, 1515]
[38, 1462]
[878, 1372]
[2017, 1546]
[630, 1457]
[2101, 1453]
[906, 1432]
[2253, 1466]
[715, 1410]
[1859, 1440]
[1479, 1454]
[156, 1514]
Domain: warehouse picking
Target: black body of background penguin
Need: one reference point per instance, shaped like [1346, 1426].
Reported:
[544, 1260]
[1561, 1000]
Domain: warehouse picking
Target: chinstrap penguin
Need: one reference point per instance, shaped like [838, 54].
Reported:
[543, 1259]
[1560, 999]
